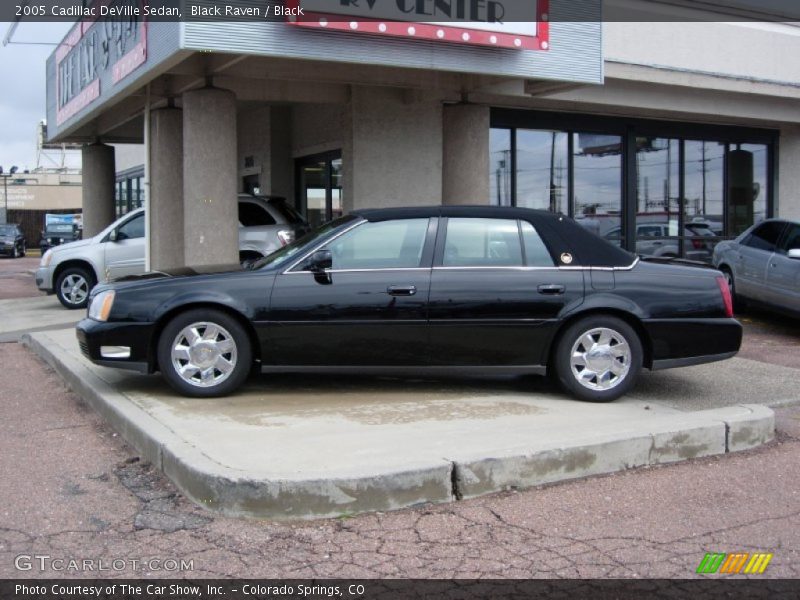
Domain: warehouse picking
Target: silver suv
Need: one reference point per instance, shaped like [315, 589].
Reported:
[72, 270]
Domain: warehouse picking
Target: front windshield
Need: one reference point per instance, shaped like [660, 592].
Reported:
[284, 254]
[7, 229]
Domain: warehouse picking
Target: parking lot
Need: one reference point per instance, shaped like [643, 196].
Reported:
[95, 493]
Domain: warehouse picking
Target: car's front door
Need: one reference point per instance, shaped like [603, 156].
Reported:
[754, 253]
[783, 273]
[125, 255]
[495, 293]
[370, 308]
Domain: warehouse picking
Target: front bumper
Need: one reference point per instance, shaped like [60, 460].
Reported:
[6, 250]
[684, 342]
[101, 343]
[44, 278]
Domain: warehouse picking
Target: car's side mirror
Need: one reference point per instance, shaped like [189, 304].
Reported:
[794, 253]
[320, 261]
[113, 237]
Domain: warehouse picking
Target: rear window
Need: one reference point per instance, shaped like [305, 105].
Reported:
[286, 211]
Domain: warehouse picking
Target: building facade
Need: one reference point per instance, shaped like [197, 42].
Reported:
[664, 136]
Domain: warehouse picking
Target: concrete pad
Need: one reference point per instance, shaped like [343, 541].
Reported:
[24, 315]
[308, 446]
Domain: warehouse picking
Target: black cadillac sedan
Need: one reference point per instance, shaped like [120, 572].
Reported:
[502, 290]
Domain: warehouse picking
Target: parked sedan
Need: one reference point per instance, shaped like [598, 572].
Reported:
[12, 241]
[473, 288]
[762, 265]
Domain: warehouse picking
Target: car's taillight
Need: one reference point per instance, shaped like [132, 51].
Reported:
[286, 237]
[726, 295]
[698, 244]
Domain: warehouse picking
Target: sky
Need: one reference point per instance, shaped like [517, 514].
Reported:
[22, 89]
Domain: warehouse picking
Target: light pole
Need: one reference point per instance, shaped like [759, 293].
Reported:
[5, 177]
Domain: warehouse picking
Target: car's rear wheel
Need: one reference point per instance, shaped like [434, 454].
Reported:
[598, 358]
[204, 353]
[73, 286]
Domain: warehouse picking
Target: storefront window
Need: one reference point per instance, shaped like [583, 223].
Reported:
[657, 196]
[598, 183]
[747, 186]
[542, 170]
[500, 167]
[679, 199]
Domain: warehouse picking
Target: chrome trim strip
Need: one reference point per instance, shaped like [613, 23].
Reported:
[364, 270]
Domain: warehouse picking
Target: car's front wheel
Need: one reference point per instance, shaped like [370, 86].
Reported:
[204, 353]
[73, 286]
[728, 274]
[598, 358]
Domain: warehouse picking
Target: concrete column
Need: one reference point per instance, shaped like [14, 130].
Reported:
[99, 181]
[788, 203]
[465, 154]
[210, 223]
[166, 189]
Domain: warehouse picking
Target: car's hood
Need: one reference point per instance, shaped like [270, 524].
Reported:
[66, 247]
[9, 238]
[184, 272]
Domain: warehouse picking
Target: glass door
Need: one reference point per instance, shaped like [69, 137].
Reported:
[319, 187]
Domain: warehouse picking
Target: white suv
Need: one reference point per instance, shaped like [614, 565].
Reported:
[72, 270]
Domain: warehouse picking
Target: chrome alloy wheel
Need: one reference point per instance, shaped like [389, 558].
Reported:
[75, 288]
[204, 354]
[600, 359]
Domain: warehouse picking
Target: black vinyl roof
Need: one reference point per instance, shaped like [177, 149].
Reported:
[561, 233]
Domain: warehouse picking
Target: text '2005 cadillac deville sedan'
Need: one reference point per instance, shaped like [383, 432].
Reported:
[475, 288]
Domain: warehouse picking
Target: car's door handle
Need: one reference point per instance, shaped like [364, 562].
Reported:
[551, 289]
[401, 290]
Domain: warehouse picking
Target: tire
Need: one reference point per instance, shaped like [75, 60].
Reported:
[201, 360]
[73, 286]
[246, 258]
[738, 303]
[15, 252]
[608, 382]
[23, 251]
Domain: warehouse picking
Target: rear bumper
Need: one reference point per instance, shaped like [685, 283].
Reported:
[96, 339]
[685, 342]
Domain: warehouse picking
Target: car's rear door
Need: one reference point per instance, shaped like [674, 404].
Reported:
[370, 308]
[495, 293]
[783, 273]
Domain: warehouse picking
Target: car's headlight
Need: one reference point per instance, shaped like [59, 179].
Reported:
[100, 307]
[46, 258]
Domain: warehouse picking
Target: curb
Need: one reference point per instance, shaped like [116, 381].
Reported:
[232, 492]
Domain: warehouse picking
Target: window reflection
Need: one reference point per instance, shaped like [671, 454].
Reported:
[500, 166]
[542, 175]
[598, 183]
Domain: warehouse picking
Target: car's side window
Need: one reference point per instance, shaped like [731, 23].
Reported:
[536, 253]
[482, 243]
[253, 215]
[792, 239]
[132, 229]
[393, 244]
[765, 236]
